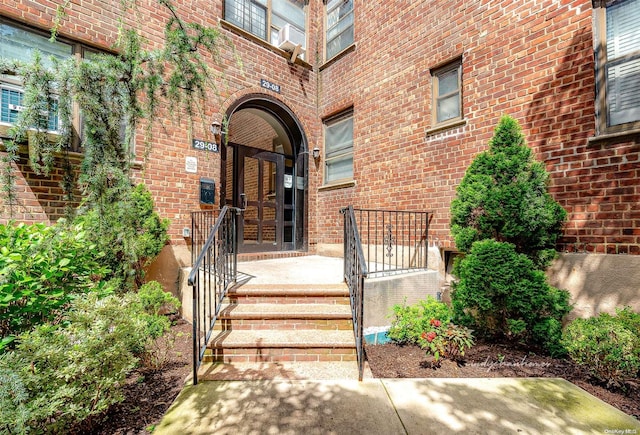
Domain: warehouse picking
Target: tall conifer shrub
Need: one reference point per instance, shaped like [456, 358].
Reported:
[507, 224]
[503, 196]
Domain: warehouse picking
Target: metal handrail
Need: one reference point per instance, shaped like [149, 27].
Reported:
[355, 271]
[201, 224]
[396, 241]
[212, 274]
[393, 241]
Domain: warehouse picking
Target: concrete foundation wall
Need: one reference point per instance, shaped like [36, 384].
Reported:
[185, 294]
[166, 268]
[381, 294]
[598, 283]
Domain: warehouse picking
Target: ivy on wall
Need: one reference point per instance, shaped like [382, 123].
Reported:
[116, 94]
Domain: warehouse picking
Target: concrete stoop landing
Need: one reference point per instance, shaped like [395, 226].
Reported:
[281, 326]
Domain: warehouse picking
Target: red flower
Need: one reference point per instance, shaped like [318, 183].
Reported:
[424, 335]
[435, 322]
[430, 336]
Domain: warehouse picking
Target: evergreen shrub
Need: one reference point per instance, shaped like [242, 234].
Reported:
[506, 222]
[503, 196]
[499, 293]
[129, 232]
[67, 374]
[63, 374]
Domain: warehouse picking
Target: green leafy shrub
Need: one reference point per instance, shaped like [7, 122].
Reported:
[63, 374]
[129, 232]
[41, 269]
[155, 300]
[500, 293]
[446, 340]
[503, 196]
[410, 321]
[66, 374]
[609, 346]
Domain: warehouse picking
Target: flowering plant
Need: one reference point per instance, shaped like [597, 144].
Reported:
[446, 341]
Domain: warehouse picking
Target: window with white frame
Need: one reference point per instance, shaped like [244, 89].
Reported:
[266, 18]
[338, 148]
[618, 65]
[20, 44]
[447, 93]
[339, 26]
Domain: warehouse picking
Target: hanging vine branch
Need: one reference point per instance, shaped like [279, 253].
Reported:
[115, 94]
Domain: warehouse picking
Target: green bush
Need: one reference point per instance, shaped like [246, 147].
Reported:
[503, 196]
[609, 346]
[60, 375]
[41, 269]
[155, 300]
[129, 232]
[410, 321]
[501, 294]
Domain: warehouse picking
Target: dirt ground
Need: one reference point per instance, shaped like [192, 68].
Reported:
[148, 394]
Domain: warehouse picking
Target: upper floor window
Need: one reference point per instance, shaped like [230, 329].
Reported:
[338, 148]
[447, 93]
[618, 65]
[339, 26]
[267, 18]
[20, 44]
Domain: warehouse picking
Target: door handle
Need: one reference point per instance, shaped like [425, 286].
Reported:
[243, 201]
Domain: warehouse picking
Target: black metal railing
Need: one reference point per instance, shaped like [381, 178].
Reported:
[380, 242]
[355, 271]
[201, 224]
[393, 241]
[213, 272]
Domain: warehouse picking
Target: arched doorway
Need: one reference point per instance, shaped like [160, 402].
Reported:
[264, 172]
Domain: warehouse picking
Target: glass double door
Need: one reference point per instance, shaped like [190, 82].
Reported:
[260, 191]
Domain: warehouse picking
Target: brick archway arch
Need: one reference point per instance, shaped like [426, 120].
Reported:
[250, 142]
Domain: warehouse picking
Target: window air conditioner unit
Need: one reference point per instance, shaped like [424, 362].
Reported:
[289, 38]
[16, 108]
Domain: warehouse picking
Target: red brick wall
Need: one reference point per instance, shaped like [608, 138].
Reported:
[530, 60]
[176, 192]
[40, 197]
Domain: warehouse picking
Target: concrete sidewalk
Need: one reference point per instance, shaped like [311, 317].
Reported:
[393, 406]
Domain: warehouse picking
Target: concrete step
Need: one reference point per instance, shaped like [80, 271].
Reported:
[281, 371]
[284, 316]
[290, 293]
[281, 346]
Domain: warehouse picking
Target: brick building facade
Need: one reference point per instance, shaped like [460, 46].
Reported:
[397, 97]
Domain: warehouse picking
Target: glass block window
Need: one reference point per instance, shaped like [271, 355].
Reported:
[250, 15]
[265, 18]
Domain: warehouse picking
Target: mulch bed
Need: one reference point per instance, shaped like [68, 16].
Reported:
[148, 394]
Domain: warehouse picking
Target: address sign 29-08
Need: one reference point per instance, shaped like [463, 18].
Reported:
[205, 146]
